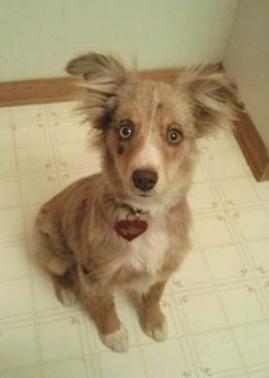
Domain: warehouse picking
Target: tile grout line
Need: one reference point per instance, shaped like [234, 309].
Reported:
[236, 241]
[230, 327]
[27, 244]
[192, 352]
[233, 239]
[241, 241]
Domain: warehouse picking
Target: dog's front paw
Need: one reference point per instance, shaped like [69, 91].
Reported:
[153, 323]
[117, 341]
[158, 332]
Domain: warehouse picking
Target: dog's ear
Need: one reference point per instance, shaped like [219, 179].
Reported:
[102, 77]
[214, 100]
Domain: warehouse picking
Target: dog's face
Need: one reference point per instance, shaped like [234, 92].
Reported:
[150, 137]
[147, 130]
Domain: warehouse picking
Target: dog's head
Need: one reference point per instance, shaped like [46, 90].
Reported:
[147, 130]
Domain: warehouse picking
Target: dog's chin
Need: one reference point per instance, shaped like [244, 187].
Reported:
[138, 197]
[148, 195]
[144, 198]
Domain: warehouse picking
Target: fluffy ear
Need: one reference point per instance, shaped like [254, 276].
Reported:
[102, 77]
[214, 100]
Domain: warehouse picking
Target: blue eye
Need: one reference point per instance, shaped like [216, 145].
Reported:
[126, 129]
[174, 136]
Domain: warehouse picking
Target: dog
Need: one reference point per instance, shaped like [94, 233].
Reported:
[128, 226]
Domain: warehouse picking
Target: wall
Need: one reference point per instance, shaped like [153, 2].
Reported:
[247, 60]
[37, 37]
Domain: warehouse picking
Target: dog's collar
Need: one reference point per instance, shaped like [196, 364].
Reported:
[131, 227]
[133, 211]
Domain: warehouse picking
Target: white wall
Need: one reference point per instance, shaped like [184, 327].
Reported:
[37, 37]
[247, 60]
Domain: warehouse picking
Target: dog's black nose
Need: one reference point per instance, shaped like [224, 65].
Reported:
[144, 179]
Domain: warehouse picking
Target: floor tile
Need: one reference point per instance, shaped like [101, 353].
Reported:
[203, 312]
[7, 163]
[44, 295]
[69, 176]
[74, 155]
[192, 272]
[202, 197]
[5, 117]
[18, 348]
[126, 365]
[260, 374]
[225, 167]
[235, 196]
[11, 224]
[224, 262]
[15, 262]
[9, 194]
[259, 252]
[30, 372]
[38, 189]
[217, 352]
[199, 173]
[216, 304]
[28, 114]
[252, 224]
[6, 138]
[59, 339]
[66, 369]
[34, 159]
[171, 363]
[62, 111]
[256, 351]
[30, 136]
[212, 231]
[69, 132]
[262, 189]
[15, 298]
[242, 305]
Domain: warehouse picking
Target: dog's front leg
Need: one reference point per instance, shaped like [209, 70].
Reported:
[151, 316]
[101, 308]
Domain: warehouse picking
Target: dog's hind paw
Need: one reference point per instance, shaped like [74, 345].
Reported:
[67, 297]
[117, 341]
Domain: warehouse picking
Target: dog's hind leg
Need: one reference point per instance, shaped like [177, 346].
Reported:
[55, 258]
[46, 255]
[60, 270]
[49, 247]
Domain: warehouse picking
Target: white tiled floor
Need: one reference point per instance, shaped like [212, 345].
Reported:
[217, 305]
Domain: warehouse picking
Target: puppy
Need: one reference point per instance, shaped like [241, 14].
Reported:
[128, 226]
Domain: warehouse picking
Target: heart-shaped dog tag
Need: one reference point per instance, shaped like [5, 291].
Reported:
[130, 229]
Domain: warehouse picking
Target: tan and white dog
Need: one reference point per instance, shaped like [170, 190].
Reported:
[128, 226]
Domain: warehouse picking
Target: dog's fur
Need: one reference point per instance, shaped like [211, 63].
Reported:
[77, 242]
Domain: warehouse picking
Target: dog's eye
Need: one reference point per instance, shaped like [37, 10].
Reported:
[174, 136]
[126, 129]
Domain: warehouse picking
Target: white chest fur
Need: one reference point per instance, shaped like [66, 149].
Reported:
[148, 250]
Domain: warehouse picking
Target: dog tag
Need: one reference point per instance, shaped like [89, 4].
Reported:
[130, 229]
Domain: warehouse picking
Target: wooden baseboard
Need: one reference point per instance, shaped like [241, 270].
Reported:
[63, 89]
[252, 146]
[36, 91]
[60, 89]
